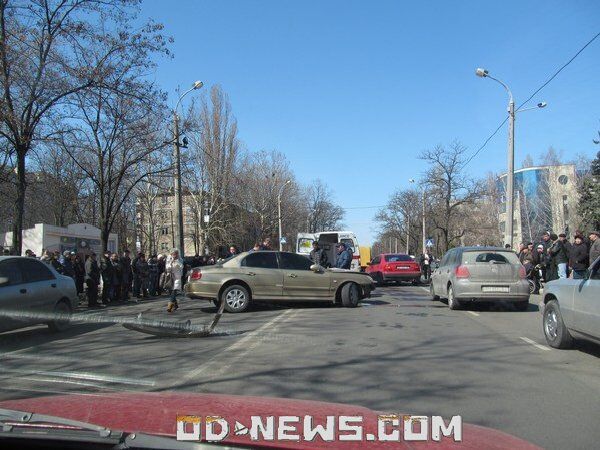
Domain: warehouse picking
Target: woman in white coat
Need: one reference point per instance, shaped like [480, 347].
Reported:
[174, 268]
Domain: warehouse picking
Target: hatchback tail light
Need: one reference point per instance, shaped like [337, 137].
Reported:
[387, 267]
[196, 274]
[522, 272]
[462, 272]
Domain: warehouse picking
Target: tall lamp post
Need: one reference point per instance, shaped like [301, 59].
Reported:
[279, 211]
[510, 174]
[178, 145]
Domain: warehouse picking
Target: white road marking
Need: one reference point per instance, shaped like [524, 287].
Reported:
[424, 288]
[473, 313]
[535, 344]
[219, 363]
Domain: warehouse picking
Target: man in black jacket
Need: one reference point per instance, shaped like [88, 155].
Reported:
[318, 256]
[92, 279]
[578, 258]
[106, 269]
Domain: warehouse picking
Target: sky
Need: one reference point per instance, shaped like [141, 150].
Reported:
[351, 92]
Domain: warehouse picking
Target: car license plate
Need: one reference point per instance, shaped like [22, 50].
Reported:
[402, 267]
[495, 289]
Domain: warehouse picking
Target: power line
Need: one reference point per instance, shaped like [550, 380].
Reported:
[554, 75]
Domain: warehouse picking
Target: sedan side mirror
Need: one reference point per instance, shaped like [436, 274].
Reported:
[369, 263]
[316, 268]
[4, 281]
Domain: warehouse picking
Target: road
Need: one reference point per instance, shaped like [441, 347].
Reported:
[399, 352]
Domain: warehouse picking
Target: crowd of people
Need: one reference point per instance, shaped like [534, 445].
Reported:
[559, 258]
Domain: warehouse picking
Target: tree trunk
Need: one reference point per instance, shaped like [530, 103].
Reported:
[19, 205]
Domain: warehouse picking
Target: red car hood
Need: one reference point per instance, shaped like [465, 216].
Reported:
[155, 413]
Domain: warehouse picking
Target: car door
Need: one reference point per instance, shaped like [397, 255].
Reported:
[14, 296]
[374, 266]
[586, 304]
[443, 273]
[261, 271]
[42, 285]
[299, 282]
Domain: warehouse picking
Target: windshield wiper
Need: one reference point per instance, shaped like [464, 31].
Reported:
[28, 425]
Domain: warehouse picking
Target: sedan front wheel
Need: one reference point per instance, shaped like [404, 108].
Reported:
[237, 298]
[557, 334]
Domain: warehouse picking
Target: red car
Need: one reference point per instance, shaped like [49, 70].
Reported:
[394, 267]
[149, 420]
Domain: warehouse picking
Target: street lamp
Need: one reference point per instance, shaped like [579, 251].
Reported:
[178, 145]
[510, 175]
[279, 211]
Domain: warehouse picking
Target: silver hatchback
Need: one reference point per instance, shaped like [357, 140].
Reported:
[480, 274]
[32, 292]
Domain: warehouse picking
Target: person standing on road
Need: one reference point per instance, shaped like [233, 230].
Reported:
[579, 258]
[552, 261]
[318, 256]
[594, 246]
[106, 270]
[152, 275]
[343, 260]
[174, 269]
[67, 264]
[559, 256]
[92, 280]
[161, 261]
[143, 273]
[117, 278]
[127, 275]
[79, 270]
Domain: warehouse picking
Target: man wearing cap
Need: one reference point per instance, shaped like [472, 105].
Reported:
[343, 260]
[595, 246]
[578, 258]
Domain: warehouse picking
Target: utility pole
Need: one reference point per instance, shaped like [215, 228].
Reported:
[510, 176]
[178, 200]
[424, 236]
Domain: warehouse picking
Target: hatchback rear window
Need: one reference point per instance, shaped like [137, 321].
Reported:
[397, 258]
[490, 258]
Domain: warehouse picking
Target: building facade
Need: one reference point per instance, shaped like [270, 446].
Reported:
[545, 200]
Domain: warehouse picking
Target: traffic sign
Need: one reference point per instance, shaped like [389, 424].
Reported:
[429, 243]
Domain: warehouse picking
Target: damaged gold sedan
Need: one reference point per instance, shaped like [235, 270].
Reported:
[275, 276]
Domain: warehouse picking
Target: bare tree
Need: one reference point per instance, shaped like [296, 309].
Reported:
[210, 169]
[527, 162]
[450, 190]
[323, 214]
[49, 51]
[551, 157]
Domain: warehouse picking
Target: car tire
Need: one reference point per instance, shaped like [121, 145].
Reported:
[62, 308]
[432, 292]
[236, 297]
[557, 334]
[350, 295]
[379, 279]
[453, 303]
[521, 306]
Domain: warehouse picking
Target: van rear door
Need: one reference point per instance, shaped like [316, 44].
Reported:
[304, 243]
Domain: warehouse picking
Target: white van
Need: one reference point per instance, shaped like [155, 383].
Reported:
[327, 241]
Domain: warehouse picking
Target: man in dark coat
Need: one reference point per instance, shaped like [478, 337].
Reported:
[318, 256]
[127, 274]
[579, 258]
[136, 279]
[594, 246]
[107, 270]
[117, 278]
[92, 280]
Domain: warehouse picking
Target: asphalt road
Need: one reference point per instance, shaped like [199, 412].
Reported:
[398, 352]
